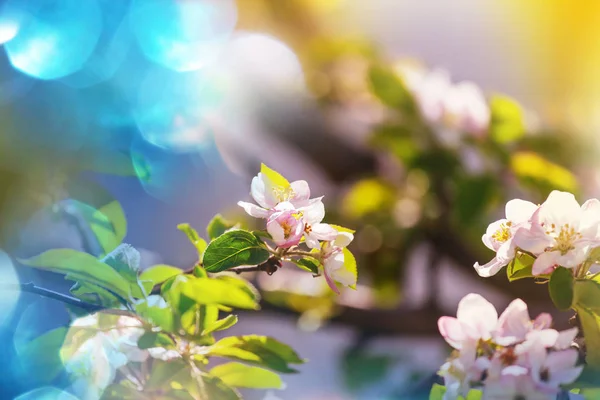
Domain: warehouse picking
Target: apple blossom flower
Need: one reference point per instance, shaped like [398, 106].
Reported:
[314, 230]
[499, 235]
[511, 387]
[551, 369]
[332, 258]
[461, 107]
[286, 225]
[268, 195]
[509, 357]
[561, 233]
[476, 319]
[94, 364]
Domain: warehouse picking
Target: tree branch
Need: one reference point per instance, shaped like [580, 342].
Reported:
[31, 288]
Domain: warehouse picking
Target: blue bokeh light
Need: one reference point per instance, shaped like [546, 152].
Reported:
[182, 35]
[55, 37]
[10, 297]
[174, 110]
[112, 47]
[164, 175]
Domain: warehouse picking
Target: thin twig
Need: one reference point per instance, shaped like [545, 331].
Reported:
[31, 288]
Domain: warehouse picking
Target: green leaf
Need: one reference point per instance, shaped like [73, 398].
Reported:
[474, 395]
[240, 283]
[125, 259]
[233, 249]
[158, 274]
[155, 339]
[82, 266]
[389, 88]
[160, 316]
[275, 177]
[308, 264]
[437, 392]
[590, 324]
[259, 350]
[240, 375]
[42, 354]
[193, 236]
[506, 124]
[215, 388]
[221, 324]
[561, 288]
[217, 226]
[94, 294]
[163, 372]
[586, 300]
[520, 267]
[208, 291]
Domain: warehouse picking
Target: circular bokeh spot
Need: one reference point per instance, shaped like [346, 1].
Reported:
[55, 37]
[182, 35]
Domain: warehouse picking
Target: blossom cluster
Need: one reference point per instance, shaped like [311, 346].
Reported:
[461, 106]
[294, 218]
[559, 232]
[506, 357]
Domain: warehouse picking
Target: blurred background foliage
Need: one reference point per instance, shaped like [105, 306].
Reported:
[170, 106]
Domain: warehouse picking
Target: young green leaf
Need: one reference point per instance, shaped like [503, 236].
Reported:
[217, 226]
[350, 266]
[125, 259]
[437, 392]
[159, 274]
[94, 294]
[82, 266]
[561, 288]
[155, 339]
[233, 249]
[389, 88]
[215, 388]
[520, 267]
[275, 177]
[221, 324]
[259, 350]
[193, 236]
[240, 375]
[217, 292]
[308, 264]
[240, 283]
[163, 372]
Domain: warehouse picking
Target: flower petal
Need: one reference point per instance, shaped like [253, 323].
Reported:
[254, 210]
[314, 212]
[545, 262]
[262, 194]
[519, 211]
[343, 239]
[543, 321]
[489, 269]
[330, 282]
[324, 232]
[311, 240]
[533, 240]
[301, 191]
[478, 313]
[566, 338]
[452, 331]
[514, 322]
[560, 208]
